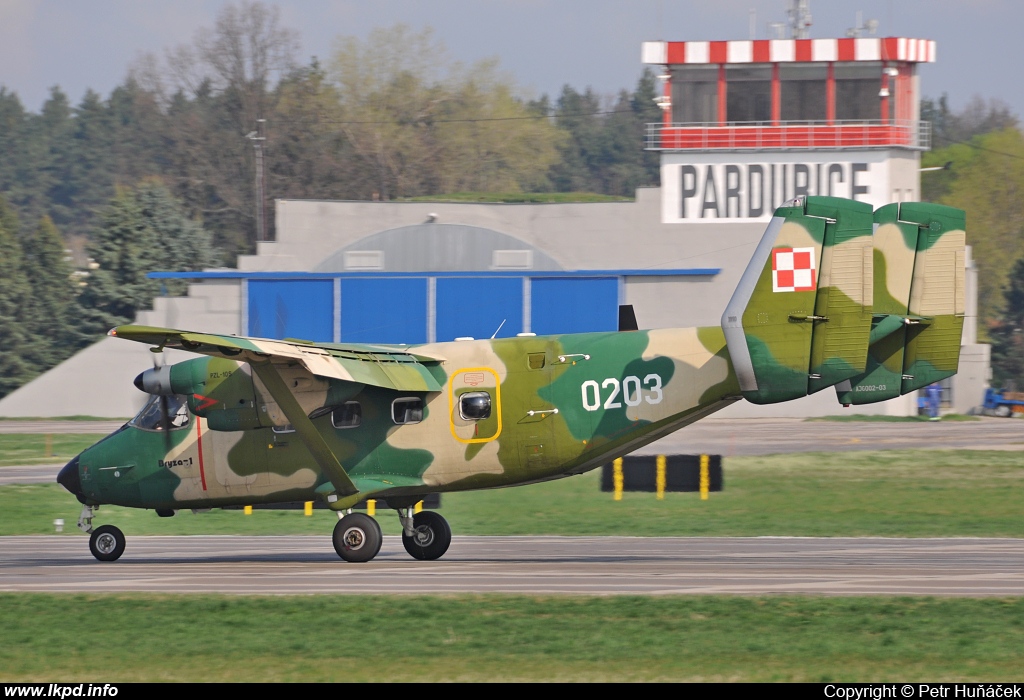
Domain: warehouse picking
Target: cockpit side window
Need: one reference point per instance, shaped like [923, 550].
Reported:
[150, 417]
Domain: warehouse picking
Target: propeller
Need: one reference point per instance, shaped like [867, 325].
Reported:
[157, 381]
[165, 407]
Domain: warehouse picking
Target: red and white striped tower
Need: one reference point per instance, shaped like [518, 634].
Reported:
[750, 124]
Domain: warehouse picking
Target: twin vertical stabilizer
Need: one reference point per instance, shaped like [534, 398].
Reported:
[839, 295]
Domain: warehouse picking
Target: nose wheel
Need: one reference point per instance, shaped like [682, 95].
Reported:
[429, 538]
[106, 543]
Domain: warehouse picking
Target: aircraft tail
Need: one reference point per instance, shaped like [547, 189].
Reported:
[838, 295]
[800, 318]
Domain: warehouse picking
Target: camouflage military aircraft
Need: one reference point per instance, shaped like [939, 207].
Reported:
[871, 302]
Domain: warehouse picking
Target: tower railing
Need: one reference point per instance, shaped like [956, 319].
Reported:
[789, 135]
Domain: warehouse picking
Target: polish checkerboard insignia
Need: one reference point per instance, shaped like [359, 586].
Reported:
[793, 270]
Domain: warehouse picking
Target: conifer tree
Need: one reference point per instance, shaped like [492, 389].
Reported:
[15, 369]
[48, 318]
[142, 230]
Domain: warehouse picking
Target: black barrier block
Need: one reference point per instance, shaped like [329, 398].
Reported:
[431, 501]
[682, 473]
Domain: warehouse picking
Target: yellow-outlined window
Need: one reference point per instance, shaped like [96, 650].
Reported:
[478, 383]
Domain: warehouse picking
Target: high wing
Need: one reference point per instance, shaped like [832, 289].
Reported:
[383, 366]
[389, 367]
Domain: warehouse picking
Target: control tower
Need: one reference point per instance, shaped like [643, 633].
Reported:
[750, 124]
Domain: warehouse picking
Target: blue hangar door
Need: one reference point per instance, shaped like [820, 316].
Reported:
[291, 309]
[384, 310]
[574, 304]
[476, 307]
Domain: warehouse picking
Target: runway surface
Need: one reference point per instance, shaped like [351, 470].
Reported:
[35, 474]
[532, 565]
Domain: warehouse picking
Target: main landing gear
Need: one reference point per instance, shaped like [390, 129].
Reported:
[425, 535]
[357, 537]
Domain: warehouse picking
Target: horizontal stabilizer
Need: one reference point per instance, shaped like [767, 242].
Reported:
[885, 325]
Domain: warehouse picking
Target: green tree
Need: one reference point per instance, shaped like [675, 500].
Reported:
[988, 183]
[15, 368]
[142, 230]
[421, 124]
[604, 151]
[1007, 335]
[49, 318]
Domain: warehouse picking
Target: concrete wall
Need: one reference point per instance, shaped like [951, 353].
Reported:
[98, 380]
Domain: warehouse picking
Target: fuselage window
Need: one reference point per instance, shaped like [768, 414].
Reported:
[348, 415]
[404, 411]
[475, 405]
[151, 415]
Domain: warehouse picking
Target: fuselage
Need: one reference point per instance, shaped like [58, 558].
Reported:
[512, 411]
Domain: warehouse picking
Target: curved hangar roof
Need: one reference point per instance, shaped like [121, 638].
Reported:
[434, 247]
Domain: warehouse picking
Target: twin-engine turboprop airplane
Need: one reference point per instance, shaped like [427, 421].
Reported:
[871, 302]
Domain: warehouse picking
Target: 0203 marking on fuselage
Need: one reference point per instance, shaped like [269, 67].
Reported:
[257, 421]
[630, 388]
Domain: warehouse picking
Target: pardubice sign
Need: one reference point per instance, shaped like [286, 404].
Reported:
[705, 190]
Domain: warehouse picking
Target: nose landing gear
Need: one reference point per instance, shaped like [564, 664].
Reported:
[106, 543]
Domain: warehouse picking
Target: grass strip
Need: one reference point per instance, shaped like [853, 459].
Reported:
[903, 493]
[40, 448]
[142, 637]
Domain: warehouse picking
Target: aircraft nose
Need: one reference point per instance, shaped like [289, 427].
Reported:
[69, 478]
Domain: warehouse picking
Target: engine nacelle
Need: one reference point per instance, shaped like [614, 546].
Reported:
[219, 390]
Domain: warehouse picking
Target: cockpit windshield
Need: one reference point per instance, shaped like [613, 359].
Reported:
[149, 417]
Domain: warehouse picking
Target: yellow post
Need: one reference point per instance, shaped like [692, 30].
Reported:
[617, 478]
[49, 445]
[247, 510]
[371, 507]
[705, 478]
[659, 478]
[418, 508]
[308, 509]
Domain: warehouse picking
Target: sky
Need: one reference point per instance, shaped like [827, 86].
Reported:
[542, 44]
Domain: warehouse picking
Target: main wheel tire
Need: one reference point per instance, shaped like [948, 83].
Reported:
[357, 537]
[431, 538]
[106, 543]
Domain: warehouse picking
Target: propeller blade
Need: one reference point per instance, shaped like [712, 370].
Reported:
[165, 421]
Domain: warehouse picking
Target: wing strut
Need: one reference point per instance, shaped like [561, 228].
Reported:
[312, 438]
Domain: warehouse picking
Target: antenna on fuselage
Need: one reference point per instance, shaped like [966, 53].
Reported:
[499, 327]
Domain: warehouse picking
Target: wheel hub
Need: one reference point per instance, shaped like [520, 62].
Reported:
[354, 538]
[424, 536]
[106, 543]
